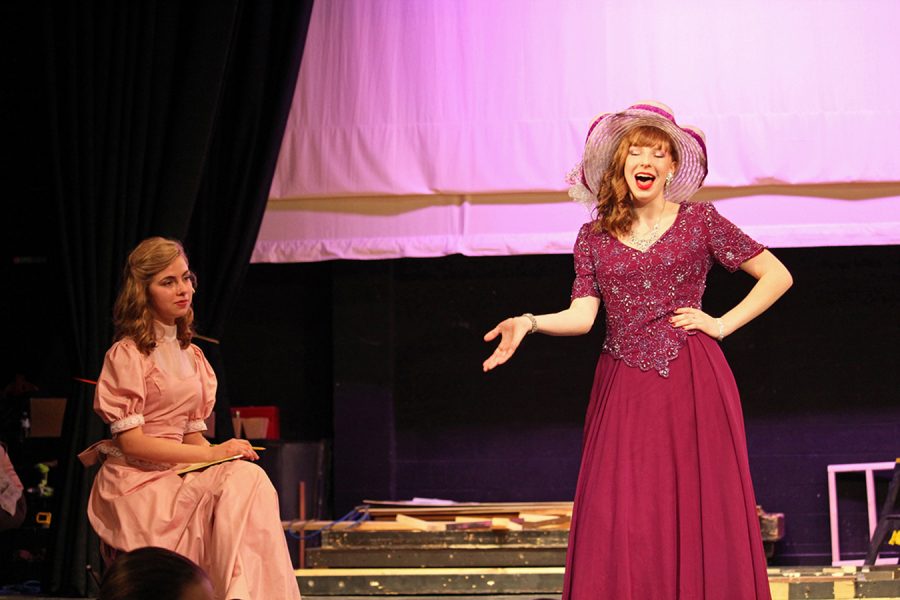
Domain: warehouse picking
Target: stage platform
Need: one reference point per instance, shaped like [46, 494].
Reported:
[788, 583]
[484, 550]
[508, 552]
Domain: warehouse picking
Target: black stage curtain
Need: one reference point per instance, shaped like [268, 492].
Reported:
[240, 162]
[166, 118]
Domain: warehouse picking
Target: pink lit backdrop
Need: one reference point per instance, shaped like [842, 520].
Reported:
[430, 127]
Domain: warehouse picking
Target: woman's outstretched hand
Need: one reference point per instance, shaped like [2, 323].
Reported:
[511, 332]
[695, 319]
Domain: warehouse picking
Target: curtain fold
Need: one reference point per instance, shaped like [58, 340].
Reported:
[260, 78]
[145, 99]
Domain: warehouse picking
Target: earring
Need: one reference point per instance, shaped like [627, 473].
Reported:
[669, 178]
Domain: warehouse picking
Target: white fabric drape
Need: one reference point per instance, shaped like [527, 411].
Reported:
[419, 106]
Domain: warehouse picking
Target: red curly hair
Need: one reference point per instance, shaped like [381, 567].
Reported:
[615, 208]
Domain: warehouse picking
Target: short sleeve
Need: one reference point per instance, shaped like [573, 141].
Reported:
[585, 283]
[121, 388]
[730, 246]
[208, 383]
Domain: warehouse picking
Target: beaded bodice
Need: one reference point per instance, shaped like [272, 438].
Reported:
[641, 290]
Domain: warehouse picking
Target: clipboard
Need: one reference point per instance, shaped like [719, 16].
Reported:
[200, 466]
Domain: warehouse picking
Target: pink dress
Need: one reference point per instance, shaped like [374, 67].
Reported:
[225, 518]
[664, 506]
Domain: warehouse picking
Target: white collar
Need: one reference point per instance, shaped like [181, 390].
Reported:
[164, 333]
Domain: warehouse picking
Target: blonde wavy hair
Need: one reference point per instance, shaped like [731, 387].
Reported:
[615, 208]
[132, 316]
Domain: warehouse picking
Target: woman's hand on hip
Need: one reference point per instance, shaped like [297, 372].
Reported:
[691, 319]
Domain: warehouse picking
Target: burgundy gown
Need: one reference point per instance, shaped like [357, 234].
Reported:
[664, 507]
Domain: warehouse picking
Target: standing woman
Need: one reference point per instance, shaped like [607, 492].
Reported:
[155, 391]
[664, 506]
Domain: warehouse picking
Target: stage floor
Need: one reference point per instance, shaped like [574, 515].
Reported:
[786, 583]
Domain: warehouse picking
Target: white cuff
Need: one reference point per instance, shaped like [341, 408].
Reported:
[195, 426]
[129, 422]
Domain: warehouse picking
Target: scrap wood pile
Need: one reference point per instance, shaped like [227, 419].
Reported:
[512, 516]
[418, 515]
[439, 548]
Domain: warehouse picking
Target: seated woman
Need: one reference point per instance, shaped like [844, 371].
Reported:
[155, 390]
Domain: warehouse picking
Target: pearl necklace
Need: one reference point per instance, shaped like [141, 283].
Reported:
[644, 242]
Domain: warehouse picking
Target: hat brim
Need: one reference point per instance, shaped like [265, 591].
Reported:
[608, 130]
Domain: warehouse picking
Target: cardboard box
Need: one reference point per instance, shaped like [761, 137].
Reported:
[47, 416]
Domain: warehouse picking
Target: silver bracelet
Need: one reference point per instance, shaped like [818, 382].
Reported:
[721, 329]
[531, 318]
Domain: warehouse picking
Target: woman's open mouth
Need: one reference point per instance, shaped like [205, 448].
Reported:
[644, 181]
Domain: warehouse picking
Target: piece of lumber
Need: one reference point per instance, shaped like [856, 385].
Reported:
[466, 525]
[420, 524]
[506, 523]
[409, 557]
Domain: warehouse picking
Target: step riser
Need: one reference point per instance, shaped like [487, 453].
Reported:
[416, 557]
[876, 583]
[435, 585]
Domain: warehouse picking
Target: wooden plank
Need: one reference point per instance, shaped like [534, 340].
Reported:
[435, 557]
[878, 589]
[813, 590]
[298, 526]
[506, 523]
[387, 505]
[525, 580]
[418, 597]
[546, 521]
[420, 524]
[445, 539]
[474, 524]
[484, 509]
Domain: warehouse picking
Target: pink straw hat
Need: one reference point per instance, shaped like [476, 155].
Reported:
[608, 129]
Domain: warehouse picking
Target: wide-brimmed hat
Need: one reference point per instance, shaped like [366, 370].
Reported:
[608, 129]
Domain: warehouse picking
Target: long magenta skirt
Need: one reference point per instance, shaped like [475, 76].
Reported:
[664, 507]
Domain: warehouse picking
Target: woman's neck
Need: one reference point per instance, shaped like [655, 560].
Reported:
[650, 212]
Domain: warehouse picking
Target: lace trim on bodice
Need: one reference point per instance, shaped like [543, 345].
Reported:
[665, 349]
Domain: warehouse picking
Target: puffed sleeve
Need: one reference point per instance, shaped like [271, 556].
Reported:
[585, 283]
[726, 242]
[121, 388]
[208, 383]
